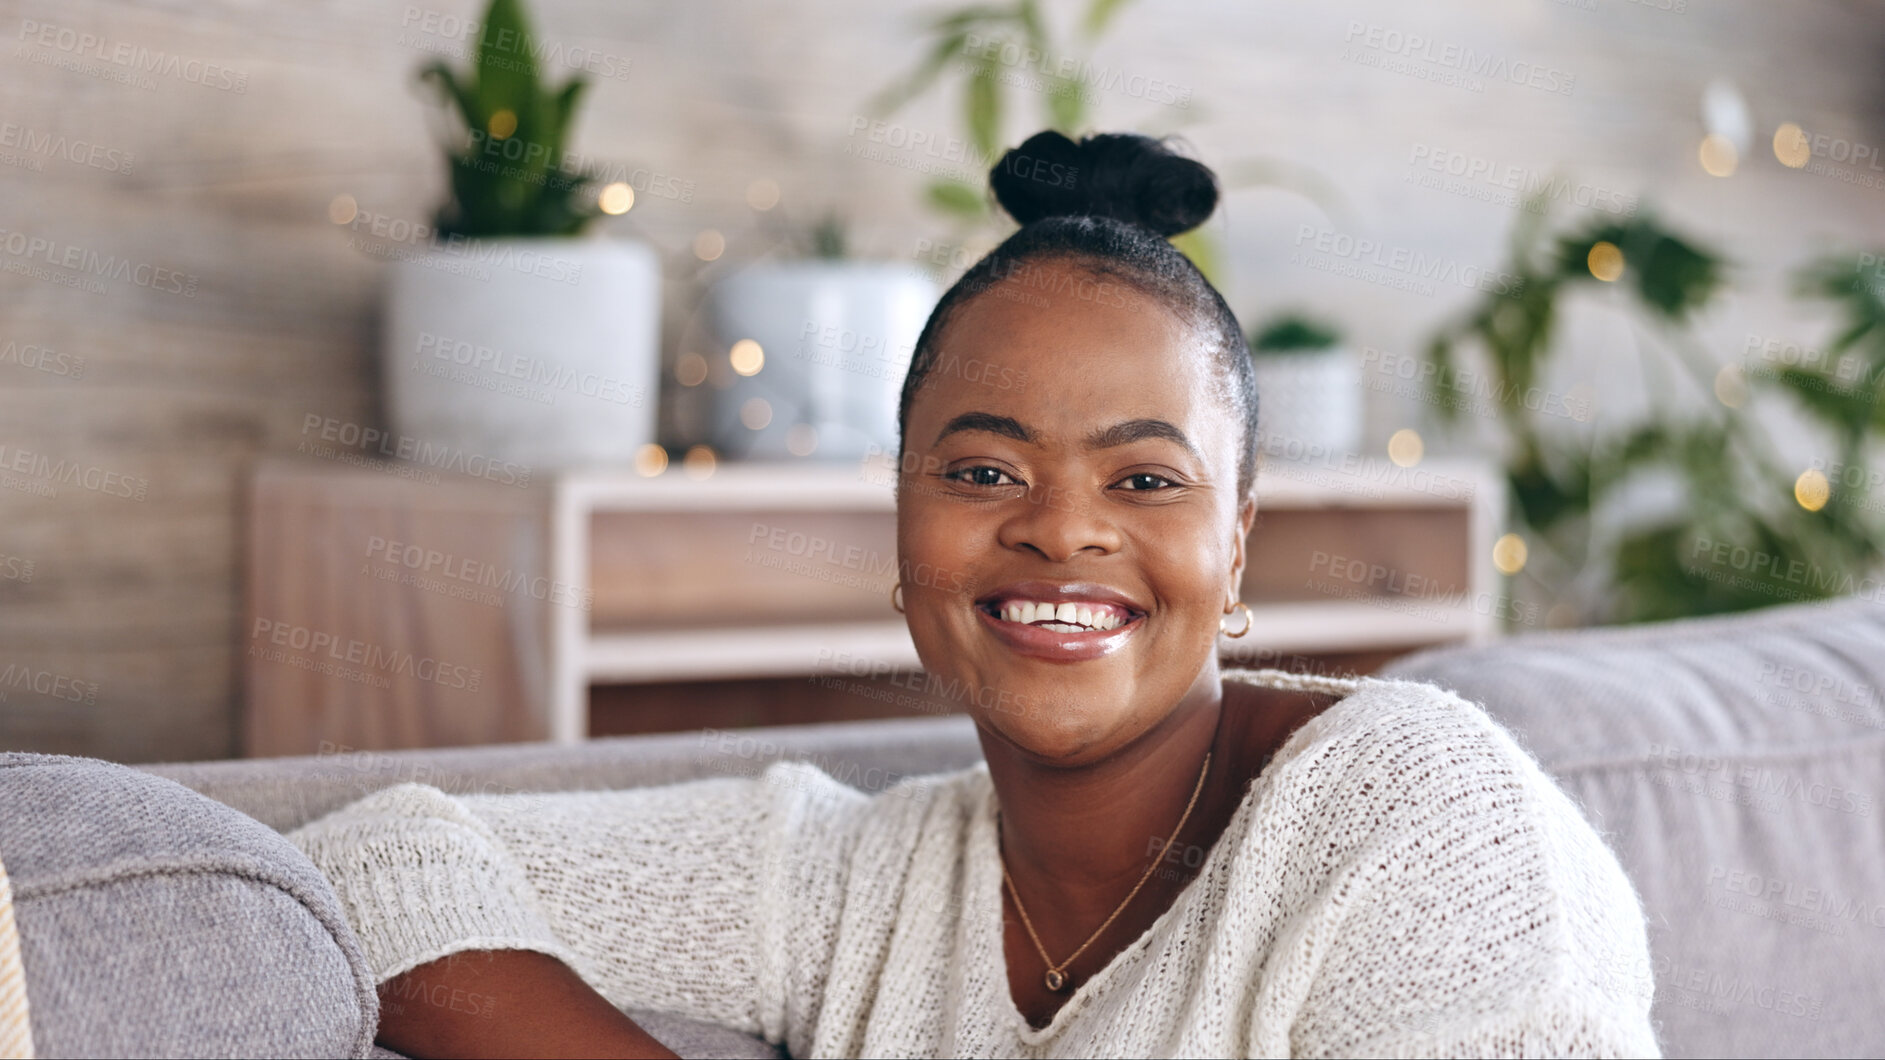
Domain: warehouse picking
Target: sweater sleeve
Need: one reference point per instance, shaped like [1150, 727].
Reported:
[1475, 913]
[674, 898]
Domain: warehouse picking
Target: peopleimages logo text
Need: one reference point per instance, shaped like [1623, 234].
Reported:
[1489, 65]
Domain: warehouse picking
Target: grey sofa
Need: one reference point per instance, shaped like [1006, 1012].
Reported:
[1735, 765]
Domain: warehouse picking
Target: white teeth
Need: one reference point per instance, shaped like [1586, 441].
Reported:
[1068, 617]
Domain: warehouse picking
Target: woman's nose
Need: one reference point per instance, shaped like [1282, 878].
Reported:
[1059, 525]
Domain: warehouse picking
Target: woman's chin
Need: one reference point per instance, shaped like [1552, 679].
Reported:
[1054, 731]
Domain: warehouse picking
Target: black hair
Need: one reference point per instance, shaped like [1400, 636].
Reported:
[1106, 204]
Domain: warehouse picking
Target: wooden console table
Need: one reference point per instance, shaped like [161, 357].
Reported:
[392, 607]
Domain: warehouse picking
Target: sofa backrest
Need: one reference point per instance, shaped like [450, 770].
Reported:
[1737, 766]
[285, 793]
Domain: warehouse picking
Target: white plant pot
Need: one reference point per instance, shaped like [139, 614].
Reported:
[836, 337]
[542, 352]
[1309, 405]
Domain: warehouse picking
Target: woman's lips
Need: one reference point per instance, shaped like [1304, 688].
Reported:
[1056, 646]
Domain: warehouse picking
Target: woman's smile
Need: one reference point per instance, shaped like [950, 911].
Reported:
[1060, 622]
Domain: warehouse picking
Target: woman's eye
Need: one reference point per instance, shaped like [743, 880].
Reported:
[1145, 480]
[980, 476]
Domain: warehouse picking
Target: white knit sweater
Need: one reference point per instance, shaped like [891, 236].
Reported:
[1402, 879]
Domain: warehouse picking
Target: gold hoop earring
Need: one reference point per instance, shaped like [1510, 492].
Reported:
[1249, 620]
[894, 602]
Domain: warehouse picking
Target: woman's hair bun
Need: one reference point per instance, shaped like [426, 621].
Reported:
[1124, 176]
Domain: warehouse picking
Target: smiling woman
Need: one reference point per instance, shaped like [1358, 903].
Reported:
[1156, 857]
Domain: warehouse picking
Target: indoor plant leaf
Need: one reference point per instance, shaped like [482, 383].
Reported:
[955, 197]
[982, 109]
[1099, 14]
[506, 63]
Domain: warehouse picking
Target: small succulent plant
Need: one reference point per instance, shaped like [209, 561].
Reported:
[511, 174]
[1293, 333]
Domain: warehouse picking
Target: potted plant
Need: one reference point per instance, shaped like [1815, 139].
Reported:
[507, 336]
[1687, 504]
[813, 349]
[1308, 388]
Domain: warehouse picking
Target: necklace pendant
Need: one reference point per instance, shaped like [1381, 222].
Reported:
[1055, 980]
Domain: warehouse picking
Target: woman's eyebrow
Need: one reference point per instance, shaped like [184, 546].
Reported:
[1123, 433]
[1138, 430]
[1006, 426]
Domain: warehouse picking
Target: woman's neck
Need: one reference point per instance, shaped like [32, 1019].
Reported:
[1076, 840]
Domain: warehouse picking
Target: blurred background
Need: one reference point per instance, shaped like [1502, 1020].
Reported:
[364, 384]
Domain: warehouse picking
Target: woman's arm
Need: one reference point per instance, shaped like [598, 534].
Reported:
[504, 1003]
[713, 899]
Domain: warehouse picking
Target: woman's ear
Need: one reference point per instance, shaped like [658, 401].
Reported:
[1246, 519]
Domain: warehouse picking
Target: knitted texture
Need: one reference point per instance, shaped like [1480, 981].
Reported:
[1401, 880]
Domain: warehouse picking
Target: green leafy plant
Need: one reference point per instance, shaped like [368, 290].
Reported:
[510, 174]
[973, 39]
[1293, 333]
[1746, 530]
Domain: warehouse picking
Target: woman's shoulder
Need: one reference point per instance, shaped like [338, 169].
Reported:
[1408, 753]
[1466, 881]
[1376, 717]
[1397, 771]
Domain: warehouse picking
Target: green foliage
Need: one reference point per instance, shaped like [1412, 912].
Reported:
[829, 242]
[971, 41]
[1205, 252]
[1738, 538]
[509, 174]
[1293, 333]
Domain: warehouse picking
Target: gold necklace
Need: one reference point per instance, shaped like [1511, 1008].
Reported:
[1057, 973]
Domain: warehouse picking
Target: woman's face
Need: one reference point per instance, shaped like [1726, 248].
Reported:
[1068, 523]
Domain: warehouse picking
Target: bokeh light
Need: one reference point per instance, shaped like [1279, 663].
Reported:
[1812, 490]
[1791, 145]
[1718, 156]
[762, 194]
[756, 414]
[691, 369]
[650, 460]
[746, 357]
[699, 462]
[1405, 447]
[1605, 261]
[616, 199]
[1509, 554]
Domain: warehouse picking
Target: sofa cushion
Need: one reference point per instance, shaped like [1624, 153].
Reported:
[696, 1038]
[1737, 766]
[156, 922]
